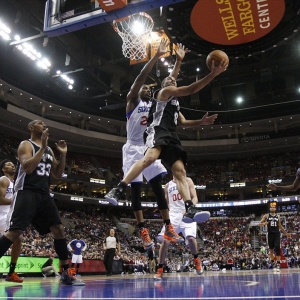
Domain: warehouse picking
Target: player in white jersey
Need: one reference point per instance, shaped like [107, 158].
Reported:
[7, 172]
[189, 230]
[137, 110]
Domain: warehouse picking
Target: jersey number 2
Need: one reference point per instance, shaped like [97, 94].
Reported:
[144, 121]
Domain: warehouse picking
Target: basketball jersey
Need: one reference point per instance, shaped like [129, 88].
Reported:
[4, 209]
[77, 246]
[163, 114]
[137, 122]
[273, 222]
[39, 179]
[176, 203]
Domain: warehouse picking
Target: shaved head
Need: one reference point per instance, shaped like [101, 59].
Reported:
[32, 123]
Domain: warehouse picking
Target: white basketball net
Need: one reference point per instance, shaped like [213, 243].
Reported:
[135, 32]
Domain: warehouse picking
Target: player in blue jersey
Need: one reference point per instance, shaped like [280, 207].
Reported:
[76, 246]
[32, 202]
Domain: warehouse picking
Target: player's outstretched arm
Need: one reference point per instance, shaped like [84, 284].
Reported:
[292, 187]
[180, 54]
[141, 78]
[206, 120]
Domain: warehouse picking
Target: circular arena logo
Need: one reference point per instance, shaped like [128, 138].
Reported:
[233, 22]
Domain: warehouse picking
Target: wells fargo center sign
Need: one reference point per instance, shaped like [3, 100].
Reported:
[233, 22]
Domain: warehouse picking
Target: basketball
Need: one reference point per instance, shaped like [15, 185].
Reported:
[217, 56]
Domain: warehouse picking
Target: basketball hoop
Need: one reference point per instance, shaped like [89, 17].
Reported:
[135, 31]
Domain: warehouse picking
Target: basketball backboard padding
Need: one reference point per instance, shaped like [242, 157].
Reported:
[54, 27]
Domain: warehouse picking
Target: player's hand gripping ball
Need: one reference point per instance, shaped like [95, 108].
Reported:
[217, 56]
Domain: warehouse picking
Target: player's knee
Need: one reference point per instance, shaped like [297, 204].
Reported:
[58, 231]
[148, 160]
[179, 174]
[13, 234]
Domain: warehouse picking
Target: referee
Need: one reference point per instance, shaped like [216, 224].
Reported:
[110, 245]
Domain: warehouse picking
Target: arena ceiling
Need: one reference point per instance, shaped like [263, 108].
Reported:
[265, 72]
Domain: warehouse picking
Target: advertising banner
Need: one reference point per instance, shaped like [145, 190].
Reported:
[234, 22]
[32, 264]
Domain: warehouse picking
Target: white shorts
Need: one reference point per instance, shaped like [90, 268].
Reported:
[3, 222]
[133, 153]
[187, 229]
[76, 259]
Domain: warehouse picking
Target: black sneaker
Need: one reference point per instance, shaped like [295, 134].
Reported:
[114, 195]
[195, 215]
[68, 277]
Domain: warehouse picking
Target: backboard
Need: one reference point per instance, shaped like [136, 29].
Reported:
[57, 22]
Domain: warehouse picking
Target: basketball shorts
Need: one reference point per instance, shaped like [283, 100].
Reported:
[171, 149]
[187, 229]
[76, 258]
[133, 153]
[3, 221]
[33, 207]
[273, 240]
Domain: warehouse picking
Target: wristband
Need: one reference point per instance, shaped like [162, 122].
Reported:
[180, 59]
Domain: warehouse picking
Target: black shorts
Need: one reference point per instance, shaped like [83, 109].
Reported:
[274, 240]
[36, 208]
[171, 149]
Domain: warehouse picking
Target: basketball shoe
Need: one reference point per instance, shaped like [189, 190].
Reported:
[147, 242]
[159, 274]
[277, 268]
[198, 267]
[171, 235]
[14, 277]
[114, 195]
[195, 215]
[68, 277]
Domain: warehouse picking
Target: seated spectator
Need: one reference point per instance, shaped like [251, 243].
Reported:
[48, 268]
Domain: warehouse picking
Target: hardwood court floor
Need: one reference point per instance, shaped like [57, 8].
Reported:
[258, 284]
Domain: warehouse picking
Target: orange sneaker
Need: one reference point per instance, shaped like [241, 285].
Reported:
[198, 267]
[14, 277]
[68, 277]
[159, 274]
[147, 242]
[171, 235]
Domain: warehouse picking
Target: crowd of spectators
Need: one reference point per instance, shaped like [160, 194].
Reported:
[218, 171]
[224, 243]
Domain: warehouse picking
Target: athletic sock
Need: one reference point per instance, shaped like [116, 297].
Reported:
[122, 185]
[141, 225]
[167, 222]
[65, 267]
[11, 268]
[188, 203]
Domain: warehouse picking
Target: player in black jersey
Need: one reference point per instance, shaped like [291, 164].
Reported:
[162, 141]
[273, 223]
[32, 202]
